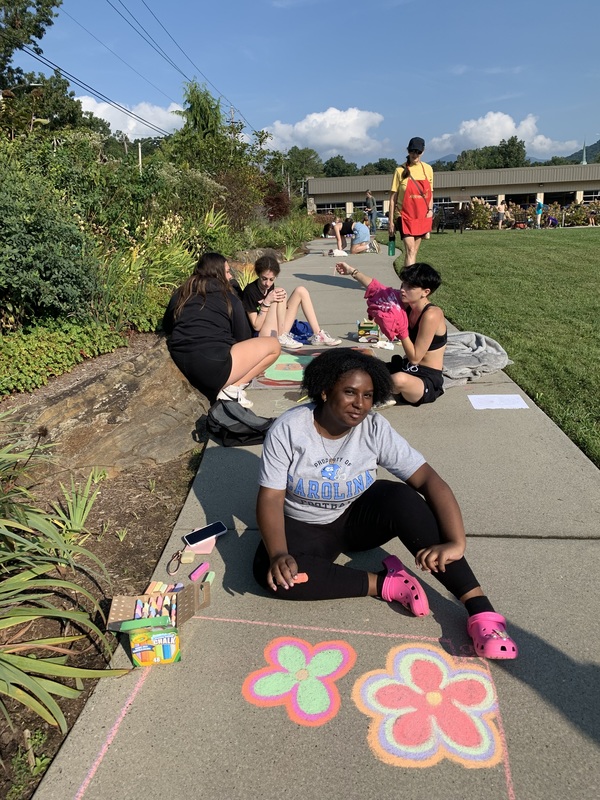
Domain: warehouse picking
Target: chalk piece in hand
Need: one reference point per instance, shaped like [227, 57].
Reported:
[301, 577]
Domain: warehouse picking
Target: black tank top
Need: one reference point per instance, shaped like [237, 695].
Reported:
[439, 340]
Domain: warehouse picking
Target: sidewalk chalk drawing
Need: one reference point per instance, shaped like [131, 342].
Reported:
[301, 677]
[427, 706]
[288, 370]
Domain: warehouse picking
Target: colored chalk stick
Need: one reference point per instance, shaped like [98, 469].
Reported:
[209, 577]
[200, 571]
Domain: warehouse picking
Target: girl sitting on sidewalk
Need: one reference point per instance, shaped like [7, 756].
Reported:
[272, 313]
[319, 496]
[209, 336]
[407, 314]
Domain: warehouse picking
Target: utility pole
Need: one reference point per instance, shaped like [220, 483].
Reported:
[140, 157]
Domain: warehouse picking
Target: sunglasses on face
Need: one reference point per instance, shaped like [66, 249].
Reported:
[418, 152]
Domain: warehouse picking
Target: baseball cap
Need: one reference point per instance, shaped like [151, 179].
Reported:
[416, 143]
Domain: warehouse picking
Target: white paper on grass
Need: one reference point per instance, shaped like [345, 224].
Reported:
[481, 401]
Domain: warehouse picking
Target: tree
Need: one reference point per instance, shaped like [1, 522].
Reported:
[509, 153]
[443, 166]
[22, 22]
[301, 163]
[512, 153]
[47, 101]
[384, 166]
[338, 167]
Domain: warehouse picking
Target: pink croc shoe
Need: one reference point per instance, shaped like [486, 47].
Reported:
[400, 585]
[490, 639]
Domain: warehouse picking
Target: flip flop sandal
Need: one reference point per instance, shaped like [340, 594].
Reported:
[490, 639]
[403, 587]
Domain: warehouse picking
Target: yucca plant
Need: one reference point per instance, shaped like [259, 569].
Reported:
[244, 275]
[37, 571]
[74, 509]
[289, 252]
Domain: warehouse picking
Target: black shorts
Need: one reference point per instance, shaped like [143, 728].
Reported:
[207, 368]
[433, 379]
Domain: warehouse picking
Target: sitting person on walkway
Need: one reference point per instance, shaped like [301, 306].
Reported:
[361, 237]
[408, 315]
[209, 336]
[272, 313]
[319, 496]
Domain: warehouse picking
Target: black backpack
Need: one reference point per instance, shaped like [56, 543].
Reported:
[233, 425]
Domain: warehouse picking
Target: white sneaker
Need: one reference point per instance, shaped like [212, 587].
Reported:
[236, 394]
[287, 341]
[322, 337]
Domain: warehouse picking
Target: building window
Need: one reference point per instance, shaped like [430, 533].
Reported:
[591, 196]
[492, 199]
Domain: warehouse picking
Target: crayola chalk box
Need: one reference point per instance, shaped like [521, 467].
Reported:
[151, 646]
[368, 331]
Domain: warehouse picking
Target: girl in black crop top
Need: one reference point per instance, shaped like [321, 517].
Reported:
[439, 340]
[408, 315]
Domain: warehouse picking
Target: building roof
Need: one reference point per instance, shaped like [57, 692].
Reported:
[568, 174]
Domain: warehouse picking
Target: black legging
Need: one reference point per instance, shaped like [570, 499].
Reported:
[387, 509]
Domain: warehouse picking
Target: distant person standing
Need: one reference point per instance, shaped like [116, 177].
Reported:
[411, 201]
[539, 210]
[371, 207]
[501, 209]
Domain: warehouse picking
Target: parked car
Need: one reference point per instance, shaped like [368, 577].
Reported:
[382, 220]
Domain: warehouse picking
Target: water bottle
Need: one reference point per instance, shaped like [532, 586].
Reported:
[392, 245]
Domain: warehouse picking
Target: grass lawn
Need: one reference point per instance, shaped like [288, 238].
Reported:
[537, 293]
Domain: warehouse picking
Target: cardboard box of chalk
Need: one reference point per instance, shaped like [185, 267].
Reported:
[156, 639]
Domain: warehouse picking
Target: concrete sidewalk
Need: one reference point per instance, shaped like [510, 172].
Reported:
[524, 729]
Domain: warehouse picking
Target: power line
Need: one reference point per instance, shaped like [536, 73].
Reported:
[195, 65]
[154, 46]
[118, 56]
[91, 90]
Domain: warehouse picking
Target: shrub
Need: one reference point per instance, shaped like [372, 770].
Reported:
[47, 264]
[29, 358]
[575, 214]
[481, 215]
[213, 234]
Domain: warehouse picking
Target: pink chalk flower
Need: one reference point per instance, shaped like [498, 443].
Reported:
[427, 706]
[302, 678]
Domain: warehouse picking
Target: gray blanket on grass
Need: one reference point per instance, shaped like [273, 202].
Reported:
[470, 355]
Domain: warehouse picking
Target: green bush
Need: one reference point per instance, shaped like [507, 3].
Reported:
[481, 215]
[292, 231]
[575, 214]
[47, 264]
[29, 358]
[134, 284]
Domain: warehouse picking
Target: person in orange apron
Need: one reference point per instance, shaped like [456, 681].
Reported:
[411, 201]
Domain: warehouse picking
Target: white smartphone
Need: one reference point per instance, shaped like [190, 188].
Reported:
[199, 535]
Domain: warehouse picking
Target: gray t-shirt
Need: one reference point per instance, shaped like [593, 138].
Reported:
[322, 480]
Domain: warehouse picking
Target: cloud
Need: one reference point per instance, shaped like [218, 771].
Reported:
[494, 126]
[330, 132]
[163, 118]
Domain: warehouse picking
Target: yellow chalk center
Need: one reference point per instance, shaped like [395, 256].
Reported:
[302, 675]
[433, 698]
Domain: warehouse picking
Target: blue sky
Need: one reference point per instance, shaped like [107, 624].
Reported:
[356, 78]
